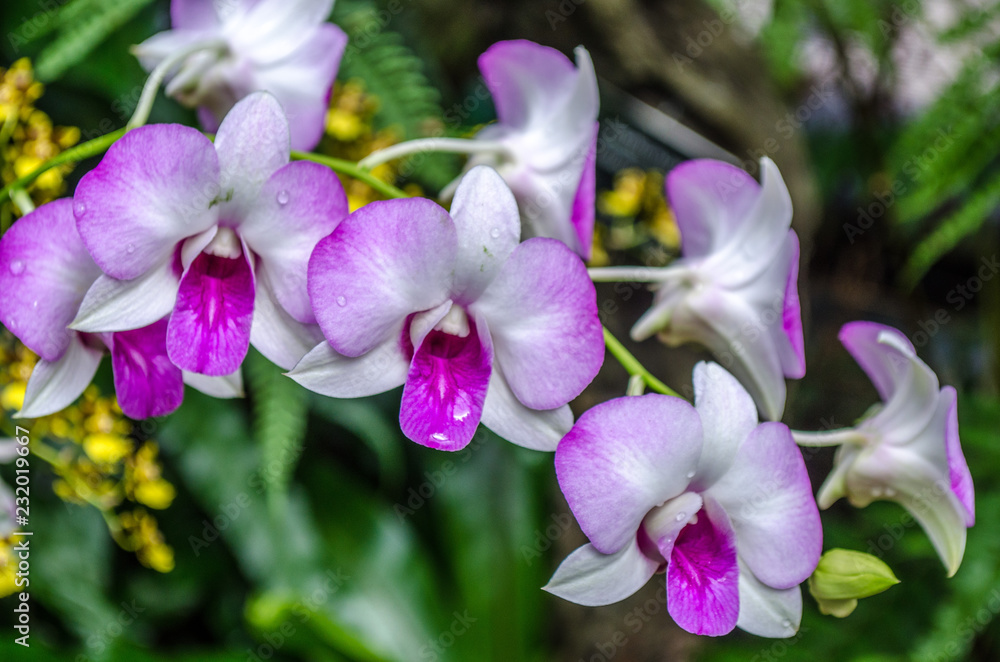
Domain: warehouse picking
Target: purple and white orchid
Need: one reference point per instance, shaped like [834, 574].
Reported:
[908, 449]
[544, 144]
[220, 52]
[720, 503]
[477, 326]
[547, 111]
[45, 271]
[735, 290]
[216, 238]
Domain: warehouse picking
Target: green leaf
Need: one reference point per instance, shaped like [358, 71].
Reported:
[82, 26]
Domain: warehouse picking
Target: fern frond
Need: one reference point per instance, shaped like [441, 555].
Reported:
[962, 223]
[279, 411]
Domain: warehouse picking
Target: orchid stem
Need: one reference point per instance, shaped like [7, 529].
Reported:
[828, 437]
[72, 155]
[23, 201]
[354, 170]
[453, 145]
[152, 86]
[626, 274]
[633, 367]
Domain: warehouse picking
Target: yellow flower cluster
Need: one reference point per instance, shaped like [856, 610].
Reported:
[351, 133]
[27, 137]
[96, 459]
[638, 211]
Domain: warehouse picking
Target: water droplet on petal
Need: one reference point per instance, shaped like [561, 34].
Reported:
[34, 304]
[495, 233]
[16, 267]
[79, 209]
[786, 623]
[283, 198]
[341, 301]
[876, 492]
[680, 516]
[13, 324]
[889, 492]
[690, 474]
[130, 249]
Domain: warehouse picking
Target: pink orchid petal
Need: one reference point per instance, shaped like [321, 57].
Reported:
[768, 497]
[446, 388]
[209, 330]
[524, 79]
[728, 415]
[623, 458]
[861, 339]
[54, 385]
[489, 229]
[537, 429]
[710, 200]
[545, 329]
[300, 203]
[703, 576]
[958, 468]
[793, 362]
[193, 14]
[328, 373]
[282, 339]
[45, 271]
[584, 202]
[385, 261]
[302, 82]
[146, 382]
[153, 188]
[588, 577]
[252, 143]
[766, 611]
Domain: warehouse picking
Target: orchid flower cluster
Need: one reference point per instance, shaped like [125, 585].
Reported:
[178, 252]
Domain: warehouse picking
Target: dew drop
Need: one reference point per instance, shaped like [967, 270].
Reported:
[79, 209]
[680, 516]
[283, 198]
[495, 233]
[786, 623]
[34, 304]
[16, 267]
[341, 301]
[889, 492]
[690, 474]
[876, 492]
[13, 324]
[130, 248]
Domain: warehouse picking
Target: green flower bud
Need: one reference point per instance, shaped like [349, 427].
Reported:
[843, 576]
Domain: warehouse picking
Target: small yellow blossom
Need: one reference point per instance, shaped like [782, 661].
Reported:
[105, 448]
[28, 138]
